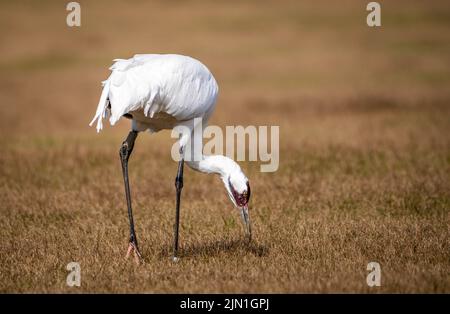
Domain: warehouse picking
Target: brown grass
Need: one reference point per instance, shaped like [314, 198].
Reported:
[364, 147]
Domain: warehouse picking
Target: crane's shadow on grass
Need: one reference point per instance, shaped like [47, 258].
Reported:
[215, 248]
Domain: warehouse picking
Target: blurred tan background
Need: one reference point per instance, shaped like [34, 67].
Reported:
[268, 56]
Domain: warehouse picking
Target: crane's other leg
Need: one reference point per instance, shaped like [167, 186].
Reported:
[125, 152]
[178, 186]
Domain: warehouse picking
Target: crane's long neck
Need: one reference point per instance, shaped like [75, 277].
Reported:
[219, 164]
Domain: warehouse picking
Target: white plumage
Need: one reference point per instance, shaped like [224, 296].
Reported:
[161, 92]
[151, 84]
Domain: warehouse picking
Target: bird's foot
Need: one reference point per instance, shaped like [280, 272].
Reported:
[175, 259]
[132, 248]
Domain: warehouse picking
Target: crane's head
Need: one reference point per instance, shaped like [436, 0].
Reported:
[238, 188]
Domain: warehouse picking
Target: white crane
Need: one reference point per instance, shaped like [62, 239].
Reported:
[161, 92]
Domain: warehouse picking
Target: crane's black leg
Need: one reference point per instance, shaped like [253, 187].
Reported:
[178, 186]
[125, 152]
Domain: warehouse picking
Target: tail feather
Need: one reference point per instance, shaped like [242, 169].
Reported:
[102, 106]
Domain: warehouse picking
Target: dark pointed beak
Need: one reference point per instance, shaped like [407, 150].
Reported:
[246, 222]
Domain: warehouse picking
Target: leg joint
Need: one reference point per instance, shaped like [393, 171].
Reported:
[179, 182]
[124, 151]
[127, 145]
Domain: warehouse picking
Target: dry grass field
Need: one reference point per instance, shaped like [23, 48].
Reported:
[364, 116]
